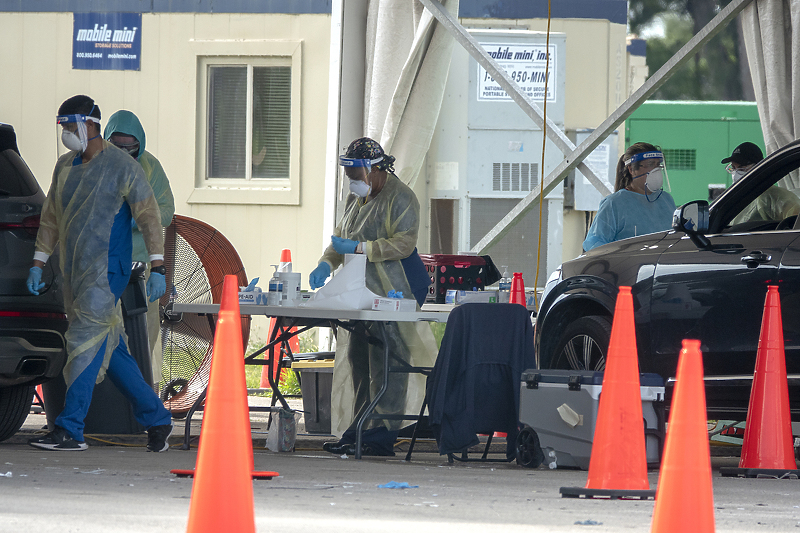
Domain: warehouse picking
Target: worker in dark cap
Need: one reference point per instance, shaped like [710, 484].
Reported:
[773, 205]
[743, 158]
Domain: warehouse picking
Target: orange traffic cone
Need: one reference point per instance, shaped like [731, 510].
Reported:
[685, 499]
[517, 289]
[767, 448]
[618, 465]
[294, 346]
[222, 494]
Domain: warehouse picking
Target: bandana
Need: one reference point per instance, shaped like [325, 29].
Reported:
[366, 148]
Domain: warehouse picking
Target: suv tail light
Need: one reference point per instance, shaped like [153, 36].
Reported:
[32, 314]
[29, 224]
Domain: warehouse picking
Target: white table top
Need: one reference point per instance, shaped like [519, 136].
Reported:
[439, 315]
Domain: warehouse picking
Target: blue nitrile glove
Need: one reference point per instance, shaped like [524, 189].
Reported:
[252, 285]
[35, 280]
[343, 246]
[318, 276]
[395, 294]
[156, 286]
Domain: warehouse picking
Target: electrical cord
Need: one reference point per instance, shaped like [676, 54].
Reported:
[541, 166]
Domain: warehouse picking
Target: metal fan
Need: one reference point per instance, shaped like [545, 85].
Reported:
[197, 259]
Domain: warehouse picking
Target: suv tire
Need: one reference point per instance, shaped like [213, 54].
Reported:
[15, 406]
[583, 339]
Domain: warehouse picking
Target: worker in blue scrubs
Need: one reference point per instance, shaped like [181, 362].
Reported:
[641, 202]
[95, 192]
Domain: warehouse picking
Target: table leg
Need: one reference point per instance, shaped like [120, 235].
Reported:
[379, 395]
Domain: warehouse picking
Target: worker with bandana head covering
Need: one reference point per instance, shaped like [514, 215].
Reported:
[381, 220]
[95, 191]
[124, 131]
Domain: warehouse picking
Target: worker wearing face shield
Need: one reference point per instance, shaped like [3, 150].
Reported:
[95, 191]
[641, 202]
[124, 131]
[773, 205]
[381, 220]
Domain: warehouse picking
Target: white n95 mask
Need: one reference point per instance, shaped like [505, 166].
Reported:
[72, 142]
[738, 174]
[654, 180]
[360, 188]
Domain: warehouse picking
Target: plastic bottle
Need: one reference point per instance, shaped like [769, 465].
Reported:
[275, 294]
[504, 286]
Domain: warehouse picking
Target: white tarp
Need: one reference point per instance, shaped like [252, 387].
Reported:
[772, 39]
[408, 57]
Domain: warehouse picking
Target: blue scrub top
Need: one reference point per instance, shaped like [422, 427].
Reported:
[626, 214]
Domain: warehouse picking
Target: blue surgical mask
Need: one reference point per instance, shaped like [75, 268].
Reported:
[360, 188]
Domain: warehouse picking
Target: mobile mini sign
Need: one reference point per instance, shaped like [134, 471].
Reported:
[106, 41]
[525, 64]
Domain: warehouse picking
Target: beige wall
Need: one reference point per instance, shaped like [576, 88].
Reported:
[38, 76]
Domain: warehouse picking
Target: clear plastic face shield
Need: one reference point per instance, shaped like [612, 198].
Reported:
[73, 132]
[649, 167]
[356, 170]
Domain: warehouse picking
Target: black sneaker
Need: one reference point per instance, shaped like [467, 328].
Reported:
[157, 438]
[58, 440]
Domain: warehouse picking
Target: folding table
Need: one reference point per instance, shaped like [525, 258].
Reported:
[304, 318]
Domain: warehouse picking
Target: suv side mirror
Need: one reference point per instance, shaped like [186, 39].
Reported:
[692, 219]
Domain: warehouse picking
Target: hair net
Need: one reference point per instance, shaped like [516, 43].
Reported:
[366, 148]
[78, 214]
[388, 224]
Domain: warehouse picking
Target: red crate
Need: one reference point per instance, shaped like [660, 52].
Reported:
[460, 272]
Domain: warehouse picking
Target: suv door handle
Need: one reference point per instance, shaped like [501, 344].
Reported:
[755, 258]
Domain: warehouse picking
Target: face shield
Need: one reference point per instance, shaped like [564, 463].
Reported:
[352, 167]
[74, 135]
[651, 167]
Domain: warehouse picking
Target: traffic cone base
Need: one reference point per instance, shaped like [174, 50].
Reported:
[256, 475]
[618, 463]
[767, 448]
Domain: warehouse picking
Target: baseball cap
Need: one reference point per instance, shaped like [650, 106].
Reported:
[746, 153]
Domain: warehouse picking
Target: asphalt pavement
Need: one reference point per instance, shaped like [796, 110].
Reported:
[123, 488]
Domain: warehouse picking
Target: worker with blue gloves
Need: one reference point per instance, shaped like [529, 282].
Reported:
[641, 202]
[124, 131]
[381, 220]
[96, 190]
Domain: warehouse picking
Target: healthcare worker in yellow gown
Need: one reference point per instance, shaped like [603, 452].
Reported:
[381, 220]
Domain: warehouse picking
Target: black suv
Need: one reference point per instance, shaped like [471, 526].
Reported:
[32, 346]
[706, 279]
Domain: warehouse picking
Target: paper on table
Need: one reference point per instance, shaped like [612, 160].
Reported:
[347, 289]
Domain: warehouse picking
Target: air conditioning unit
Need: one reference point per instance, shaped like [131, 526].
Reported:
[486, 153]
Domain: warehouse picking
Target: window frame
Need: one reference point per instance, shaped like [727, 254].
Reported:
[249, 190]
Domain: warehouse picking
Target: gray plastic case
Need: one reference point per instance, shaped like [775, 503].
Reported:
[543, 392]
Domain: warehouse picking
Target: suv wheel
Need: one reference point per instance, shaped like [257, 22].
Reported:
[583, 345]
[15, 405]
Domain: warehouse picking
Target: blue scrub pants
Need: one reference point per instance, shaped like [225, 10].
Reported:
[122, 368]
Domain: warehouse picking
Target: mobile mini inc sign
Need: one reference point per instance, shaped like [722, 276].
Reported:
[106, 41]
